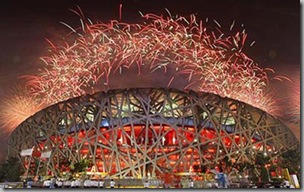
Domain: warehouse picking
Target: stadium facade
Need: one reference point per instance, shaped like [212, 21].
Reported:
[142, 132]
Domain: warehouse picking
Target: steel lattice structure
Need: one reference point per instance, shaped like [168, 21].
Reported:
[132, 132]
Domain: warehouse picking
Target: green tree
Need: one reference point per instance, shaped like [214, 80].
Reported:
[10, 170]
[79, 166]
[291, 159]
[253, 174]
[264, 175]
[262, 159]
[2, 172]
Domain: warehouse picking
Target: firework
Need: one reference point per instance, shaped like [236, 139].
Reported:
[16, 108]
[211, 60]
[293, 115]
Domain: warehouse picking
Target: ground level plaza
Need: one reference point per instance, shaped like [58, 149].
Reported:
[137, 183]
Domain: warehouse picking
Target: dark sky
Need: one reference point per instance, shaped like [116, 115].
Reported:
[274, 25]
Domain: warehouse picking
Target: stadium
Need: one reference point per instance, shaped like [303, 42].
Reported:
[144, 132]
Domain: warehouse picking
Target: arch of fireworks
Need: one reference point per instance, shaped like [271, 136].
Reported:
[213, 62]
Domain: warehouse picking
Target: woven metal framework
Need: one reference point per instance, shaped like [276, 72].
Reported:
[135, 132]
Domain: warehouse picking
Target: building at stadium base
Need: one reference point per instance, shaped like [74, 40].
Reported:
[145, 132]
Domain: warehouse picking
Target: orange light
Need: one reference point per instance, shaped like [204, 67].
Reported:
[211, 150]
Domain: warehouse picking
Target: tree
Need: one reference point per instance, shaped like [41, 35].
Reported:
[2, 172]
[10, 170]
[262, 159]
[264, 175]
[291, 159]
[80, 166]
[253, 175]
[227, 161]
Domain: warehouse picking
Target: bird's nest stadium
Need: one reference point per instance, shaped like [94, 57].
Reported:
[139, 131]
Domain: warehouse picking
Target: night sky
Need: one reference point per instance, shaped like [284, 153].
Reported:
[274, 25]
